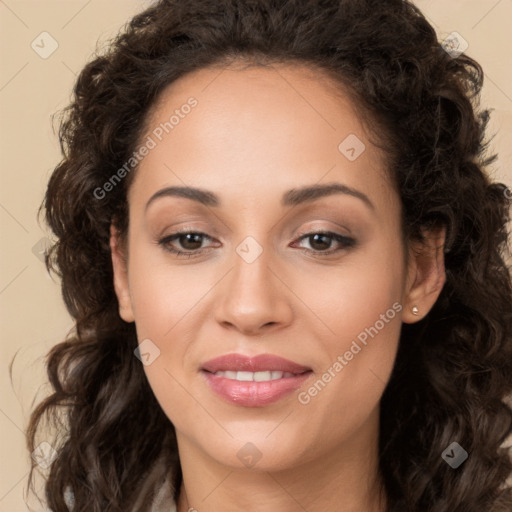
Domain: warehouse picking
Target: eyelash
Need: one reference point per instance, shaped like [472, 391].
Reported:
[345, 241]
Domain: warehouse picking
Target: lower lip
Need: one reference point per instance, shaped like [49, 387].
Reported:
[254, 394]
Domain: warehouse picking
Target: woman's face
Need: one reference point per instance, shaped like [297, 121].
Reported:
[252, 286]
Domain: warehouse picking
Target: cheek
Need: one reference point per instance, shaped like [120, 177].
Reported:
[163, 292]
[163, 299]
[361, 308]
[359, 355]
[356, 294]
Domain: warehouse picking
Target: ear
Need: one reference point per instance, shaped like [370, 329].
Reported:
[120, 266]
[425, 274]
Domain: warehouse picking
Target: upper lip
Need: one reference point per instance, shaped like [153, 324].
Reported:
[259, 363]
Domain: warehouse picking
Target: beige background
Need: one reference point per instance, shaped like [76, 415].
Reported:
[32, 317]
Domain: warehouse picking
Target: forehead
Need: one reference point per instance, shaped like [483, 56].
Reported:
[257, 129]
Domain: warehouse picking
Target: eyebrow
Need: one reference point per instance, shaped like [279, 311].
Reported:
[292, 197]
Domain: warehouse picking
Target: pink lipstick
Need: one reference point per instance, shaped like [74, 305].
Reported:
[253, 381]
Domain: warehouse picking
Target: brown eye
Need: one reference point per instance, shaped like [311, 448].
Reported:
[321, 242]
[189, 241]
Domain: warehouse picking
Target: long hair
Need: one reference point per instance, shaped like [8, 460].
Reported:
[453, 371]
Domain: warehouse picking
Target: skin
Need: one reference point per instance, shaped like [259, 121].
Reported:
[255, 134]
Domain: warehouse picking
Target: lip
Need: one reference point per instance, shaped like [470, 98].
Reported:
[252, 393]
[260, 363]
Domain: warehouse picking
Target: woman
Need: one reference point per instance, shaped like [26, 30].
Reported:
[286, 266]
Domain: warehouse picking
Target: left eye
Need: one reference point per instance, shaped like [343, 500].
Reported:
[323, 239]
[192, 241]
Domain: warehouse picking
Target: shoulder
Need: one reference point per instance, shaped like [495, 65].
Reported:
[162, 502]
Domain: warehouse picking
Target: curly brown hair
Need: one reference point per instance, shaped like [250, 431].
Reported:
[453, 371]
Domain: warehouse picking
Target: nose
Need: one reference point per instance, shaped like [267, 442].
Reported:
[254, 298]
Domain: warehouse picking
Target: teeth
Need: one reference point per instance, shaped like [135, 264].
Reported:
[254, 376]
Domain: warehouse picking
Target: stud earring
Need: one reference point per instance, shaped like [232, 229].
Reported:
[415, 310]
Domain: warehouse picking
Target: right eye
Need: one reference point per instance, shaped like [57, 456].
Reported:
[190, 241]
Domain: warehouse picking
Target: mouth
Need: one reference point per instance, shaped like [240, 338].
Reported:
[263, 376]
[256, 381]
